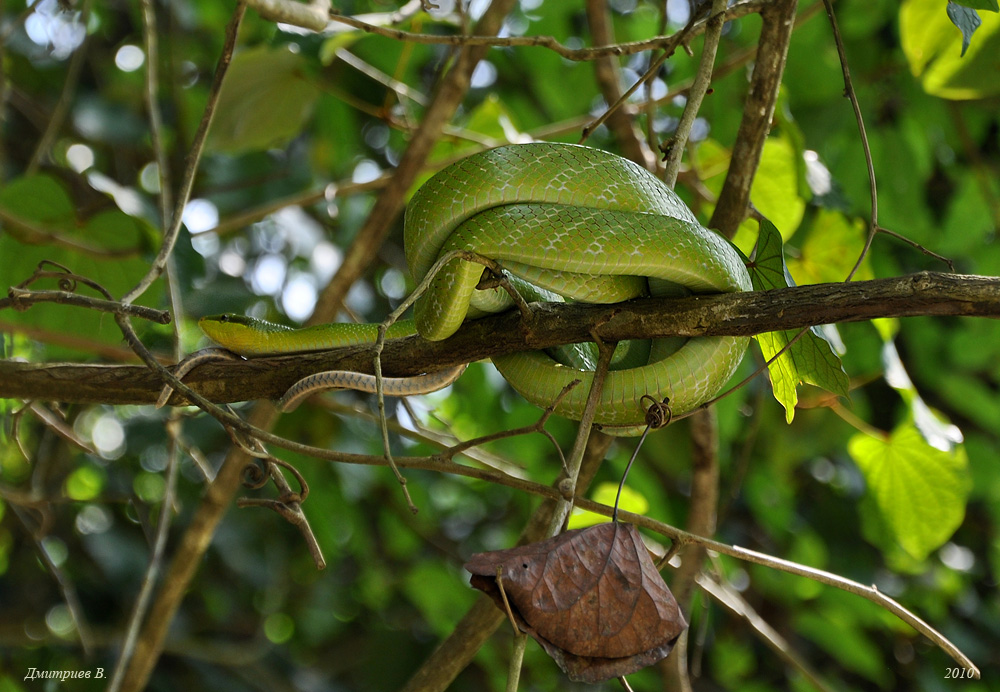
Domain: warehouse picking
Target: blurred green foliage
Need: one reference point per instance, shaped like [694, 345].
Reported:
[859, 486]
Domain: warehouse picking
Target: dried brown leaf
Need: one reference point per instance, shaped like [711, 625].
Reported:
[591, 597]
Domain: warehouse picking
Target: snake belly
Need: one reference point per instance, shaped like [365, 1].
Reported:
[589, 226]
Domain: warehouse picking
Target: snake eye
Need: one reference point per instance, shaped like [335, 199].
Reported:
[225, 318]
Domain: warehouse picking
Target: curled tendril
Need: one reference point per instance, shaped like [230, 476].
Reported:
[67, 279]
[254, 477]
[658, 414]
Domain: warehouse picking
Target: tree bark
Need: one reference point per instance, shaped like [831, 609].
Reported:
[551, 324]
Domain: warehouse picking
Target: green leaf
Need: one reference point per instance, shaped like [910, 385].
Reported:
[38, 199]
[811, 359]
[767, 270]
[832, 246]
[988, 5]
[105, 248]
[920, 491]
[841, 638]
[265, 101]
[945, 62]
[967, 21]
[776, 192]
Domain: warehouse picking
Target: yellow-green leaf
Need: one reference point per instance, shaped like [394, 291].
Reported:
[933, 47]
[811, 359]
[631, 501]
[920, 491]
[830, 249]
[775, 191]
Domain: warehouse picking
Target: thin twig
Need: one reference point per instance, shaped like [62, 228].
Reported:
[739, 9]
[538, 426]
[676, 535]
[870, 593]
[305, 198]
[421, 288]
[568, 486]
[57, 423]
[650, 72]
[607, 73]
[401, 89]
[193, 157]
[66, 585]
[152, 84]
[695, 95]
[450, 92]
[444, 441]
[154, 568]
[849, 92]
[914, 244]
[731, 599]
[20, 299]
[312, 15]
[289, 503]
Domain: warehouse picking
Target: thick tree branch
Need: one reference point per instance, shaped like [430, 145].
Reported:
[451, 90]
[778, 22]
[743, 314]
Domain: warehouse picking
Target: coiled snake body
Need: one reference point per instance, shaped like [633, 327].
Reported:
[570, 220]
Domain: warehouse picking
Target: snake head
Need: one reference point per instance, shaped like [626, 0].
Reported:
[239, 333]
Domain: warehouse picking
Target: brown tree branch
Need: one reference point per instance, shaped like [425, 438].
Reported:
[701, 520]
[186, 560]
[778, 21]
[451, 91]
[740, 314]
[607, 74]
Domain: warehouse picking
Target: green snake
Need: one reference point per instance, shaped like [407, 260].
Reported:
[560, 219]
